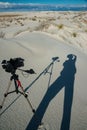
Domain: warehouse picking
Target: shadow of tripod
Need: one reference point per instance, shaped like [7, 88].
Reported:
[66, 80]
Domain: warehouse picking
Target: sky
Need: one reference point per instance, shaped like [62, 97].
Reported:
[47, 1]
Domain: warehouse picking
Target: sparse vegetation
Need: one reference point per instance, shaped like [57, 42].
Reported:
[86, 30]
[42, 26]
[34, 19]
[51, 19]
[2, 34]
[74, 34]
[60, 26]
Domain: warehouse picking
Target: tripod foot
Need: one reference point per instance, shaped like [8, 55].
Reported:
[0, 106]
[5, 95]
[26, 95]
[33, 111]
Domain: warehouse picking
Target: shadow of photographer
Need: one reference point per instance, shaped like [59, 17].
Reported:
[66, 80]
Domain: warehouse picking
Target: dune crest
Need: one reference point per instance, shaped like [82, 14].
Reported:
[68, 27]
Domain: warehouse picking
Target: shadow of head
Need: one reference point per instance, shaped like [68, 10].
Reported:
[71, 56]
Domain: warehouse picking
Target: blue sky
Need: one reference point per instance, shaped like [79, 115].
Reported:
[47, 1]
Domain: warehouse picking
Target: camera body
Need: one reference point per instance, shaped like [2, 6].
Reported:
[11, 65]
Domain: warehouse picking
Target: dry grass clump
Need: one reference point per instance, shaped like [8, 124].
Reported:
[34, 18]
[86, 30]
[51, 19]
[42, 26]
[74, 34]
[60, 26]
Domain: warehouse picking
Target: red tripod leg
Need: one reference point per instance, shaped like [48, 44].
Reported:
[19, 85]
[26, 96]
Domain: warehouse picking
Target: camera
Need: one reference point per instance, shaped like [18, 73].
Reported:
[11, 65]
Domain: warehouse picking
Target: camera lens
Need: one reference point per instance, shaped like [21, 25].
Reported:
[4, 66]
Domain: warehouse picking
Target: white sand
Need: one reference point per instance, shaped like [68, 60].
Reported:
[38, 37]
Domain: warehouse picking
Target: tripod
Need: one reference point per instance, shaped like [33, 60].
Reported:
[17, 84]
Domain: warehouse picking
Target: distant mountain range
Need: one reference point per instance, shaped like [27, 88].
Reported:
[40, 7]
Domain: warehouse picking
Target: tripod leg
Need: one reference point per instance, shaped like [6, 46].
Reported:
[33, 110]
[5, 95]
[26, 96]
[23, 91]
